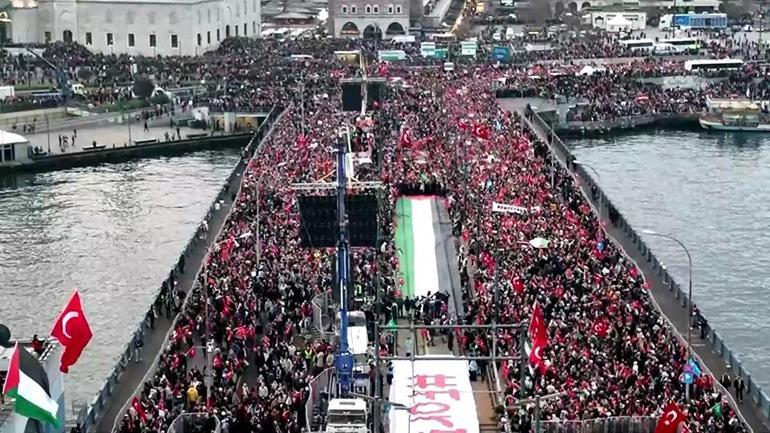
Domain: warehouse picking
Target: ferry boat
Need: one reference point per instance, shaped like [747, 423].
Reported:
[736, 115]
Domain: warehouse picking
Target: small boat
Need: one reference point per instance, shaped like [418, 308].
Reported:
[735, 115]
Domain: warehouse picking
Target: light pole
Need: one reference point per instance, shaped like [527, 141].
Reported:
[689, 293]
[598, 179]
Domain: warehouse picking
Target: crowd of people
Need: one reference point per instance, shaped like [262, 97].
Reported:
[611, 351]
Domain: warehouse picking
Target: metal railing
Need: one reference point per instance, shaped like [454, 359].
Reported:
[615, 424]
[716, 343]
[317, 385]
[322, 308]
[90, 415]
[194, 422]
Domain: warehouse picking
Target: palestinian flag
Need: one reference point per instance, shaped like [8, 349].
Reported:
[417, 244]
[27, 384]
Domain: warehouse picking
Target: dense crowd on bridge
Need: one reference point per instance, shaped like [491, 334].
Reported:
[610, 351]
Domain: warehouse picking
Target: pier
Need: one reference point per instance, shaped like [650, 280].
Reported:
[129, 373]
[66, 142]
[714, 355]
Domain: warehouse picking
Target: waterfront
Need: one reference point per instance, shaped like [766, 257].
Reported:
[712, 192]
[113, 231]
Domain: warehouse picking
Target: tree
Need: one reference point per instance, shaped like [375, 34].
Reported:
[143, 87]
[85, 74]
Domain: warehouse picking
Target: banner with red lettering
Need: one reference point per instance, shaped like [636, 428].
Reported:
[432, 396]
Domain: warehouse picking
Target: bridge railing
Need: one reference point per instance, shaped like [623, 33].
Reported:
[716, 343]
[317, 385]
[90, 415]
[615, 424]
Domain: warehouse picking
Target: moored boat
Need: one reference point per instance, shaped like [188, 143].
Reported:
[735, 115]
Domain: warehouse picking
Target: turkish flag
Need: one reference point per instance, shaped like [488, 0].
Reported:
[72, 331]
[302, 141]
[538, 333]
[670, 419]
[481, 131]
[406, 138]
[518, 286]
[536, 355]
[382, 69]
[601, 327]
[137, 405]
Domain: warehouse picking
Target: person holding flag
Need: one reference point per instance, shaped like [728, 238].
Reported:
[670, 420]
[73, 332]
[538, 339]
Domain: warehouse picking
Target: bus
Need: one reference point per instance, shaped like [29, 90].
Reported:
[684, 45]
[638, 44]
[713, 65]
[705, 21]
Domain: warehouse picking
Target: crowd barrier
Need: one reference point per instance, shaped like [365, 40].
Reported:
[317, 385]
[194, 422]
[716, 343]
[90, 415]
[322, 308]
[613, 424]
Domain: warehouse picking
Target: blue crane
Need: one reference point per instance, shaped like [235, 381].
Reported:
[62, 81]
[344, 359]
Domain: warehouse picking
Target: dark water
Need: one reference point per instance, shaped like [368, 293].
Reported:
[112, 231]
[712, 192]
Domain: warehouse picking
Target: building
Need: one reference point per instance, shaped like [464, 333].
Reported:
[369, 18]
[146, 27]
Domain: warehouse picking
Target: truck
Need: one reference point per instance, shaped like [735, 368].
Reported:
[7, 92]
[347, 415]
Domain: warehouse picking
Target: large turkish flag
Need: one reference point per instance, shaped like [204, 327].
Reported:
[73, 332]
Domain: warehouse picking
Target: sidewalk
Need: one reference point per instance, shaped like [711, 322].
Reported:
[133, 376]
[671, 307]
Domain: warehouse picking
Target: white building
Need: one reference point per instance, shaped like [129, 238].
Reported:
[369, 18]
[148, 27]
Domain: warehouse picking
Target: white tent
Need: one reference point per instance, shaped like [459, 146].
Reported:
[618, 23]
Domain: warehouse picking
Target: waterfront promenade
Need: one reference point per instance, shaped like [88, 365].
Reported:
[672, 307]
[112, 136]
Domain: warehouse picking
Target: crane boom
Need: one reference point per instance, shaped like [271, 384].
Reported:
[61, 77]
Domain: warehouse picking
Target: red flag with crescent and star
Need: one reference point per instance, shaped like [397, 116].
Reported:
[73, 332]
[670, 419]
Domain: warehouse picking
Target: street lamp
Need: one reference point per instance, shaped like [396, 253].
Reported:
[689, 291]
[598, 180]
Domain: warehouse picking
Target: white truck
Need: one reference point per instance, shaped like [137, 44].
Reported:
[7, 92]
[347, 415]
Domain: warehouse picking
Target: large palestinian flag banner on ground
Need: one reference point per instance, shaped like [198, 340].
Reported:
[416, 244]
[27, 383]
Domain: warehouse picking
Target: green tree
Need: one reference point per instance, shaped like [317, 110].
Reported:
[143, 87]
[85, 74]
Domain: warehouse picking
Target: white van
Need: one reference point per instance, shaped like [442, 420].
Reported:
[347, 415]
[664, 48]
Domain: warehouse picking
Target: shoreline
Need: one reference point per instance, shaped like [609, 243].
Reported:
[671, 301]
[683, 121]
[121, 154]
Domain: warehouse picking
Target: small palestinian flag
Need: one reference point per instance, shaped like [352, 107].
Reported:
[27, 384]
